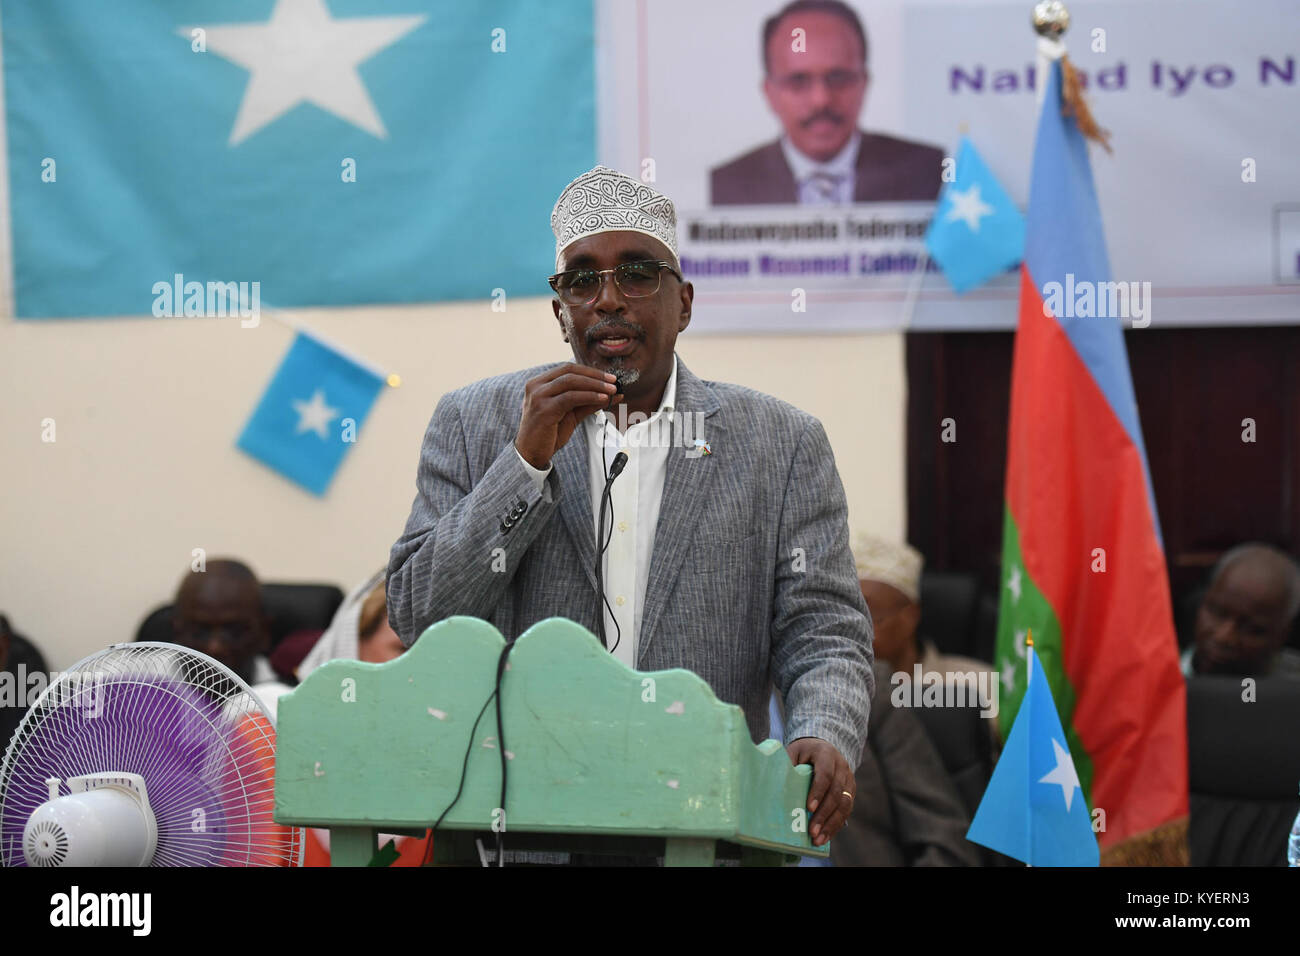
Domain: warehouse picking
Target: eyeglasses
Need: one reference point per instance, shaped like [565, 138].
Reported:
[634, 279]
[836, 80]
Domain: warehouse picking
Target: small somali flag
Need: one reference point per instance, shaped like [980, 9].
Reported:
[1034, 808]
[311, 413]
[977, 231]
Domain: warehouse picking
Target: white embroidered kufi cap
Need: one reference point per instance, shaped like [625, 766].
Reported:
[898, 565]
[605, 200]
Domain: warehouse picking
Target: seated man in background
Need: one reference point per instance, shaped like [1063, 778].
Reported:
[219, 613]
[1246, 615]
[890, 577]
[359, 632]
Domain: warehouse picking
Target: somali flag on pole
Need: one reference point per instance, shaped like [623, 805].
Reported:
[311, 413]
[977, 231]
[338, 152]
[1034, 807]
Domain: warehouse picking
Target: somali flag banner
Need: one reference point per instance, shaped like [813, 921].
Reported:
[338, 152]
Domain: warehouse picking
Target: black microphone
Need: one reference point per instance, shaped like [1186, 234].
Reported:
[615, 469]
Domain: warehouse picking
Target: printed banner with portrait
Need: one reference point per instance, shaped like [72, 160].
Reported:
[805, 153]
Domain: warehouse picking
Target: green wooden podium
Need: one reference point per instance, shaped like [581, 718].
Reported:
[600, 758]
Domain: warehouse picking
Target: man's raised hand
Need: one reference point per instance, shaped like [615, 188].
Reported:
[554, 403]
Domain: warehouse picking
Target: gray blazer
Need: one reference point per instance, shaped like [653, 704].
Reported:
[751, 584]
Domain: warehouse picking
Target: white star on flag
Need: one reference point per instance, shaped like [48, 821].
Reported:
[1063, 774]
[1020, 644]
[968, 206]
[303, 55]
[1013, 584]
[315, 416]
[1008, 677]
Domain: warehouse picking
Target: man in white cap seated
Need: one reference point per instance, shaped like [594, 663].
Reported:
[890, 575]
[725, 546]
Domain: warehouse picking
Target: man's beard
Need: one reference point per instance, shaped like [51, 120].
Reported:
[616, 365]
[623, 376]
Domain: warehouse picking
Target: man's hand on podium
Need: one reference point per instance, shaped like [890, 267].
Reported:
[830, 798]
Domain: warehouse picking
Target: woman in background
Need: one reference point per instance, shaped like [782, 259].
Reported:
[359, 632]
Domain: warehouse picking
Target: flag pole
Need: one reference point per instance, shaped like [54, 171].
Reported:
[392, 379]
[913, 287]
[922, 263]
[1029, 676]
[1050, 19]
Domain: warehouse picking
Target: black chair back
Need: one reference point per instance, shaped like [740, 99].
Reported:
[949, 609]
[1244, 767]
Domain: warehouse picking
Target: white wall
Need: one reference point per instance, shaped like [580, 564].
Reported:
[98, 526]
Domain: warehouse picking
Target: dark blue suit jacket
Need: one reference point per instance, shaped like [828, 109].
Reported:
[887, 169]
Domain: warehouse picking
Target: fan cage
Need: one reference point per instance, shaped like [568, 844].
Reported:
[190, 726]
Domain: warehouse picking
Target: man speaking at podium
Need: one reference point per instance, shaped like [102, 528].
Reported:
[725, 545]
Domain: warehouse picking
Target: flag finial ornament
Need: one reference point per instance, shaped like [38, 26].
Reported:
[1029, 638]
[1051, 19]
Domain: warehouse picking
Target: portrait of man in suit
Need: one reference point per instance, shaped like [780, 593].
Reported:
[724, 546]
[815, 57]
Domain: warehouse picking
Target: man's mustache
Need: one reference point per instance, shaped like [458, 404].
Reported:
[626, 328]
[827, 114]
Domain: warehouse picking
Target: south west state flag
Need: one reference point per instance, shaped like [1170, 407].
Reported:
[977, 232]
[311, 412]
[338, 152]
[1033, 808]
[1083, 564]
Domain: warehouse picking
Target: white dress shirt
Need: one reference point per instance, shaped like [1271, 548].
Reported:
[634, 507]
[828, 183]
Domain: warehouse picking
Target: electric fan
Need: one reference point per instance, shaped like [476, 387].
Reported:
[143, 755]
